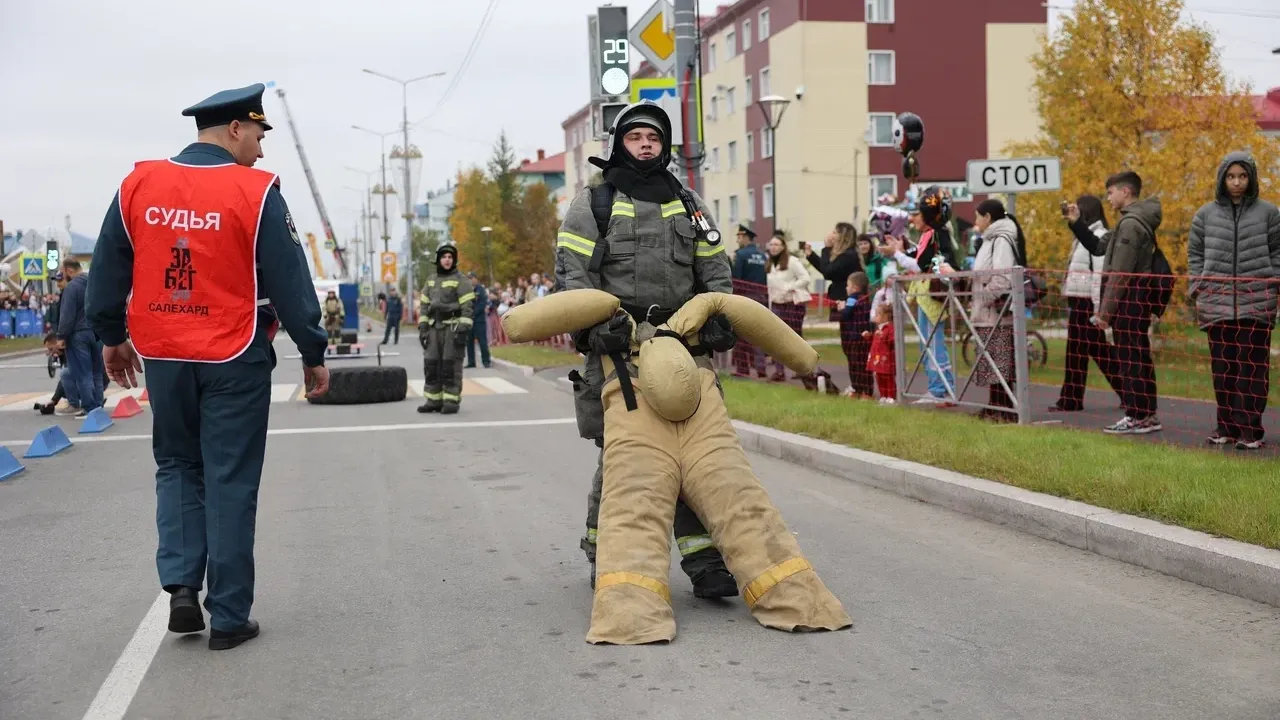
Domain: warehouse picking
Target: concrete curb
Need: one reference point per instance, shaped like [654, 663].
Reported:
[1228, 566]
[524, 370]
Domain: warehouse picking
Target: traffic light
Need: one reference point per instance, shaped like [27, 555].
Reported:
[609, 114]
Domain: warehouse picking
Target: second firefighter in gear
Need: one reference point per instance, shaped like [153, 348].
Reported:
[334, 317]
[642, 237]
[444, 328]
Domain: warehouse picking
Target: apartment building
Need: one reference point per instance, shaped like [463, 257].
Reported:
[849, 67]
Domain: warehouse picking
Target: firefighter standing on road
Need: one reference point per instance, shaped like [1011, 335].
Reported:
[178, 251]
[334, 317]
[634, 237]
[444, 328]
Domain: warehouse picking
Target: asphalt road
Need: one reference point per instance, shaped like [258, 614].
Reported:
[431, 570]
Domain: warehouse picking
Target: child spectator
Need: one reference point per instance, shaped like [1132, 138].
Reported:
[881, 361]
[855, 334]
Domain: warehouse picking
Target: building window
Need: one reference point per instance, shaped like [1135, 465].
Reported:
[764, 82]
[715, 205]
[880, 67]
[751, 147]
[730, 101]
[746, 93]
[714, 110]
[730, 44]
[711, 58]
[880, 11]
[746, 35]
[733, 155]
[880, 130]
[733, 208]
[751, 205]
[768, 201]
[766, 143]
[881, 185]
[715, 162]
[764, 25]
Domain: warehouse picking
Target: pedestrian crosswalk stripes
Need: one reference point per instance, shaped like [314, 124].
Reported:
[280, 393]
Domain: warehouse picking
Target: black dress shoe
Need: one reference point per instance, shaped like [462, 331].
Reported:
[184, 611]
[227, 639]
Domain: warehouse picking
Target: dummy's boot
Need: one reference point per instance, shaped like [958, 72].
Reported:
[709, 575]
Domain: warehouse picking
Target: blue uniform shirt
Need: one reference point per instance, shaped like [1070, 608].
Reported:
[749, 264]
[283, 274]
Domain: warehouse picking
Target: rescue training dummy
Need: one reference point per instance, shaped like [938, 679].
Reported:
[444, 327]
[335, 316]
[668, 435]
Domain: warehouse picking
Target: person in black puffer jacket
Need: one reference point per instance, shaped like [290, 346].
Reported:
[1233, 256]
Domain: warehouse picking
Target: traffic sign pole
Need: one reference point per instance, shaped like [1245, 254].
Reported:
[688, 74]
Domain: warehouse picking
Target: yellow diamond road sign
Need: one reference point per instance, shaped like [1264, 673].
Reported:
[652, 38]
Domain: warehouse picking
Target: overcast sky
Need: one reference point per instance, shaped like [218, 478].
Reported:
[87, 87]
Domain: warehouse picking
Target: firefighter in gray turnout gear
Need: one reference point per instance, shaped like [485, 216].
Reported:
[444, 327]
[641, 236]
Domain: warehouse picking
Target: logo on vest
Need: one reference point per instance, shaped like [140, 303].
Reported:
[179, 280]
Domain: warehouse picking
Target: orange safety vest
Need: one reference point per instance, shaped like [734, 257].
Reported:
[194, 231]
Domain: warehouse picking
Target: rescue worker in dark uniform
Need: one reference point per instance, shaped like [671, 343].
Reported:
[750, 279]
[634, 236]
[183, 247]
[444, 329]
[334, 316]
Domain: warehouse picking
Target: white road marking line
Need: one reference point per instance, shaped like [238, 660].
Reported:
[13, 403]
[499, 385]
[114, 400]
[120, 687]
[283, 392]
[7, 366]
[77, 439]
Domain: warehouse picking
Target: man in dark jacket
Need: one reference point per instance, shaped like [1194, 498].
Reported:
[395, 311]
[480, 324]
[84, 360]
[1130, 255]
[750, 278]
[1233, 256]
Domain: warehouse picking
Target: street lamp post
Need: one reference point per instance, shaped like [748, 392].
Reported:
[488, 254]
[368, 217]
[773, 107]
[408, 191]
[382, 158]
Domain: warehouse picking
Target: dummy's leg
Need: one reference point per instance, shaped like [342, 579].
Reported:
[778, 583]
[632, 603]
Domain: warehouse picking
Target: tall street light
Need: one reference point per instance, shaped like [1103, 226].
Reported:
[408, 191]
[382, 188]
[488, 254]
[773, 107]
[369, 215]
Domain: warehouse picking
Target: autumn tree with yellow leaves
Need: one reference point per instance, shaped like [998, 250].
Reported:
[523, 221]
[1127, 85]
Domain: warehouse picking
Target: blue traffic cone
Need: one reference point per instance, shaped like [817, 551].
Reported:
[48, 442]
[9, 465]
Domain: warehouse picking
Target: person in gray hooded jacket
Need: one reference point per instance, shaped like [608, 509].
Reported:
[1233, 257]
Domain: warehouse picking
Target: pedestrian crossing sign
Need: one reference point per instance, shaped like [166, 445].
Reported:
[33, 268]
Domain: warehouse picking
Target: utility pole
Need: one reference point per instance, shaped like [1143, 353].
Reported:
[688, 72]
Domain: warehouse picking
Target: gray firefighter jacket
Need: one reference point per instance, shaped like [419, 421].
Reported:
[652, 257]
[1230, 241]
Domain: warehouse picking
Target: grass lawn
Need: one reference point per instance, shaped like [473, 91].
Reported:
[535, 356]
[1203, 490]
[1182, 367]
[8, 345]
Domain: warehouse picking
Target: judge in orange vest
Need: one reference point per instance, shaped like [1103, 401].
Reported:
[196, 267]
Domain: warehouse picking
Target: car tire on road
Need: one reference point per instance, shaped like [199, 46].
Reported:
[365, 385]
[350, 337]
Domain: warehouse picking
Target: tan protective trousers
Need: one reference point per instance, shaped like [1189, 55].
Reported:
[649, 462]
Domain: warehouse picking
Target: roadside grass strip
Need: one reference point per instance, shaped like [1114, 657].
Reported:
[535, 356]
[1237, 498]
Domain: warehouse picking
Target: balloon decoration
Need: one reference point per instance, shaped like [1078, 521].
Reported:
[908, 138]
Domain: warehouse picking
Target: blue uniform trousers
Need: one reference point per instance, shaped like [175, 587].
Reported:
[209, 436]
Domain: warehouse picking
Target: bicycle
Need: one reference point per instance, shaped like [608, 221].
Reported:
[1037, 349]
